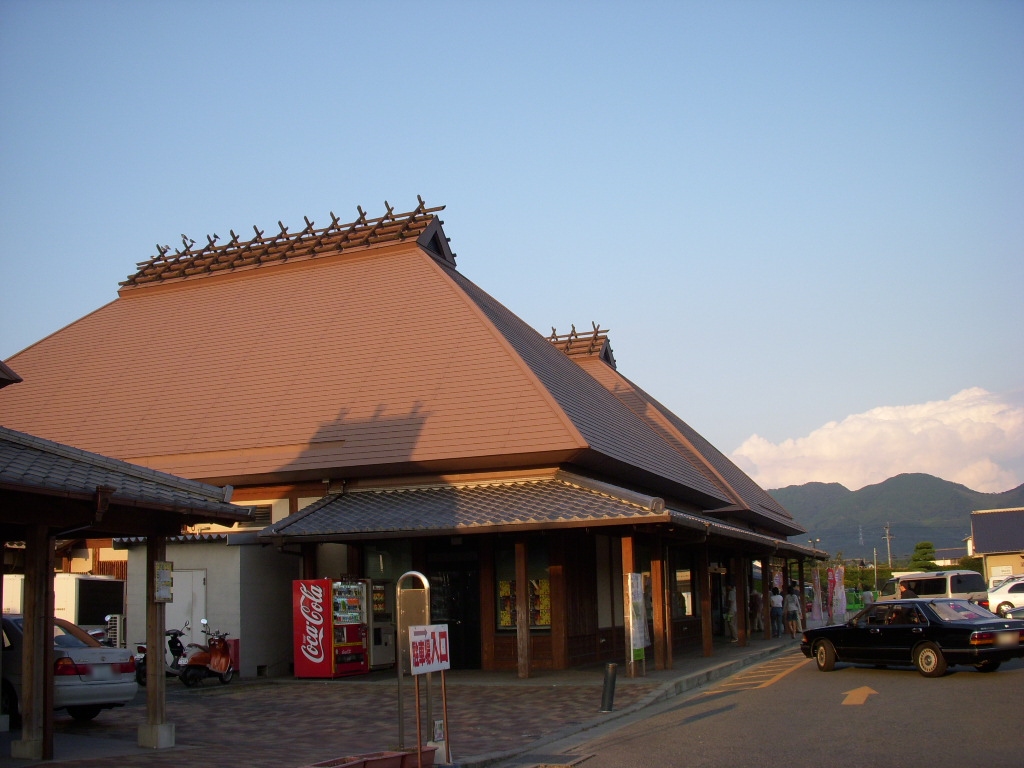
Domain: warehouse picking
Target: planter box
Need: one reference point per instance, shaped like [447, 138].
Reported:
[410, 759]
[368, 760]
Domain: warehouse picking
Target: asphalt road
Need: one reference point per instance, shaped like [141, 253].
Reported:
[784, 712]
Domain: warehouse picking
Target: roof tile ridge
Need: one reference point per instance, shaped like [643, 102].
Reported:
[212, 492]
[235, 254]
[624, 495]
[517, 359]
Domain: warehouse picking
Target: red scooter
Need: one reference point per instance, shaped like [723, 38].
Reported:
[210, 660]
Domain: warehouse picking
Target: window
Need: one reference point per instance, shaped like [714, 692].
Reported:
[539, 586]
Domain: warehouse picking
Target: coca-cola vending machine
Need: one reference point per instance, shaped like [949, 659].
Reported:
[330, 627]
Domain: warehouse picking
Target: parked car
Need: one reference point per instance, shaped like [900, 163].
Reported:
[958, 584]
[1006, 595]
[1015, 613]
[87, 676]
[930, 634]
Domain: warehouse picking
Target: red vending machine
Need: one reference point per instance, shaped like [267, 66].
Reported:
[330, 627]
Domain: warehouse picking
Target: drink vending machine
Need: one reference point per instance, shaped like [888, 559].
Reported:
[331, 627]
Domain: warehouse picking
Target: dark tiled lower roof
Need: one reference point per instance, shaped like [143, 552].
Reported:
[486, 507]
[464, 508]
[29, 463]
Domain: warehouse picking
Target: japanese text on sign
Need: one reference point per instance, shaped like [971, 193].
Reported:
[428, 648]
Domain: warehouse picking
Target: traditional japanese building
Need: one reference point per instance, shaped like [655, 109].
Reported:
[385, 414]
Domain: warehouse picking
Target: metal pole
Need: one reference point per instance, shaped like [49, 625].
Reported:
[608, 697]
[398, 656]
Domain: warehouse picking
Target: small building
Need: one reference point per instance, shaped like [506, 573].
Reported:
[998, 539]
[387, 414]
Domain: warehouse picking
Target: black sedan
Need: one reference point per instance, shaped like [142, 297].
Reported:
[930, 634]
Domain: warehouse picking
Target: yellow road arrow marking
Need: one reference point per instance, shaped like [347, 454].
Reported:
[858, 695]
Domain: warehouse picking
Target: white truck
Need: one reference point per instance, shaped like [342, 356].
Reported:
[80, 598]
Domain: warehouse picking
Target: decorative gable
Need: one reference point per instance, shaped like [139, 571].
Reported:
[593, 344]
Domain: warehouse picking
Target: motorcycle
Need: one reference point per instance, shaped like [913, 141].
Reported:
[210, 660]
[172, 669]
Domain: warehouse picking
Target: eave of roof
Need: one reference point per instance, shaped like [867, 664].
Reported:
[562, 501]
[34, 468]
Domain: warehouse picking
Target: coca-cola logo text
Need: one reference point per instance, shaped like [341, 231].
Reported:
[311, 606]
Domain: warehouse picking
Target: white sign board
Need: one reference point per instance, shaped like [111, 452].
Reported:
[428, 648]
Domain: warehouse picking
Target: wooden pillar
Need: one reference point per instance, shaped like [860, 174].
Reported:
[522, 611]
[704, 580]
[488, 604]
[628, 566]
[309, 568]
[800, 594]
[559, 601]
[37, 670]
[766, 592]
[741, 581]
[662, 647]
[156, 733]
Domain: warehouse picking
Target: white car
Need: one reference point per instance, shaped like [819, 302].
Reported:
[1008, 594]
[87, 675]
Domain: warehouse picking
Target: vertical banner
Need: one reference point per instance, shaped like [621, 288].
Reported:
[839, 596]
[636, 616]
[816, 613]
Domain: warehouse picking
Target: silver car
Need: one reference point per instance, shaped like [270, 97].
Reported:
[87, 675]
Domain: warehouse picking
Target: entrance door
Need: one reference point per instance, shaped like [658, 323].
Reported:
[455, 600]
[188, 604]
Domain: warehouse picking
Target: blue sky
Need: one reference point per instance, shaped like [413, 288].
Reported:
[801, 222]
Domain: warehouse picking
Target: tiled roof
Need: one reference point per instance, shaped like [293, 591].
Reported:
[465, 508]
[609, 428]
[308, 243]
[561, 501]
[744, 492]
[31, 464]
[998, 530]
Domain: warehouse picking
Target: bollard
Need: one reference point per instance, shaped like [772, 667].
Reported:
[608, 697]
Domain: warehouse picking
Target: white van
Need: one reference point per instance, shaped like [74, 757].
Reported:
[965, 585]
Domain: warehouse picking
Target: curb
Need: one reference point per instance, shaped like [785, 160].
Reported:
[685, 684]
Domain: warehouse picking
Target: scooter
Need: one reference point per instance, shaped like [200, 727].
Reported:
[172, 669]
[211, 660]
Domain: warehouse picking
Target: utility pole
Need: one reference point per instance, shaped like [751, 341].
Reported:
[888, 544]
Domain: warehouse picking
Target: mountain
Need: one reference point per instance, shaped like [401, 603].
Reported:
[916, 507]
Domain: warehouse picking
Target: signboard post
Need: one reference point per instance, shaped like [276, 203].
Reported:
[429, 652]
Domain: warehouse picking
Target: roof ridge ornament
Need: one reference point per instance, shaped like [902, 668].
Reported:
[310, 242]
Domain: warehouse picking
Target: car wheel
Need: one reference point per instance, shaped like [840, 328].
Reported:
[825, 656]
[989, 665]
[227, 676]
[1002, 608]
[929, 660]
[9, 704]
[83, 714]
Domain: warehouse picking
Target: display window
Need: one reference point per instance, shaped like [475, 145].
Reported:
[538, 583]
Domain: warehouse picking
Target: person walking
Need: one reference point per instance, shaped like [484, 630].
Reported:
[756, 611]
[776, 603]
[791, 607]
[730, 613]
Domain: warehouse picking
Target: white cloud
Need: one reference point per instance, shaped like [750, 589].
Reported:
[974, 438]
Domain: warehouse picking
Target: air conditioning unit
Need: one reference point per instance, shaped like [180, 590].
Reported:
[115, 630]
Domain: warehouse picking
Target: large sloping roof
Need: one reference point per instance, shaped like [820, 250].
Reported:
[353, 350]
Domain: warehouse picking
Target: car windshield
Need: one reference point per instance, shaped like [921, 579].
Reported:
[959, 610]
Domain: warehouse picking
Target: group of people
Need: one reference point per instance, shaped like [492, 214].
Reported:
[785, 612]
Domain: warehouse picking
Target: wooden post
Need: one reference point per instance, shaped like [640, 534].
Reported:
[704, 579]
[37, 671]
[522, 611]
[661, 648]
[559, 602]
[156, 733]
[628, 566]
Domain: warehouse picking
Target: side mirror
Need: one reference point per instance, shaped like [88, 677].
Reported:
[204, 622]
